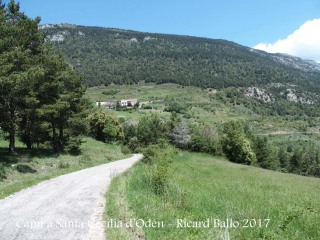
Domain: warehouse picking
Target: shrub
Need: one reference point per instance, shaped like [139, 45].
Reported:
[180, 134]
[177, 107]
[125, 149]
[151, 129]
[205, 138]
[236, 146]
[104, 126]
[63, 164]
[25, 168]
[74, 146]
[158, 157]
[159, 175]
[121, 120]
[111, 92]
[150, 154]
[129, 131]
[147, 107]
[133, 144]
[84, 159]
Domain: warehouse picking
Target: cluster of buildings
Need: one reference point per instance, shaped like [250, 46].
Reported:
[129, 103]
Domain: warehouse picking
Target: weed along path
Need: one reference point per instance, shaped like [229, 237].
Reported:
[67, 207]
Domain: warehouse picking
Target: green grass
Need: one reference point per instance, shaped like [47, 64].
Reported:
[49, 165]
[118, 209]
[205, 187]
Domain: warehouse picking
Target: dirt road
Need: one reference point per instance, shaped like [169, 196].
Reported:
[67, 207]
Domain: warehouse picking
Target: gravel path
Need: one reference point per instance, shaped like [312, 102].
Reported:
[67, 207]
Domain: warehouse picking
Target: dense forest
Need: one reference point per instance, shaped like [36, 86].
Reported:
[117, 56]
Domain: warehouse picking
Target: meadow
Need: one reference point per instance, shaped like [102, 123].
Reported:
[265, 204]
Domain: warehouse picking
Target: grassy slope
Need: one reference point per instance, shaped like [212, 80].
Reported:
[202, 108]
[202, 186]
[49, 165]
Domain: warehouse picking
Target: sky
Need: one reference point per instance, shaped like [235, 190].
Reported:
[288, 26]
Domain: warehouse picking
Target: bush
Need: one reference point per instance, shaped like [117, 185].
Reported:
[180, 134]
[159, 175]
[147, 107]
[121, 120]
[25, 168]
[150, 154]
[125, 149]
[129, 131]
[151, 129]
[159, 158]
[236, 146]
[63, 164]
[110, 92]
[85, 159]
[74, 146]
[133, 144]
[177, 107]
[104, 126]
[205, 138]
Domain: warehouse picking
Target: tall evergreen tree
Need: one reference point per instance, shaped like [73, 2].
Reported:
[20, 40]
[296, 161]
[263, 152]
[39, 92]
[284, 159]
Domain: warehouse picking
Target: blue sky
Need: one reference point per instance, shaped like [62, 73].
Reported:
[247, 22]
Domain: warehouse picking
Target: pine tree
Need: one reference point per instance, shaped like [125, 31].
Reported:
[296, 161]
[41, 97]
[265, 158]
[20, 40]
[284, 159]
[60, 94]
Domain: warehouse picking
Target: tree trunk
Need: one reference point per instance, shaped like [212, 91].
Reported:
[61, 140]
[28, 136]
[29, 142]
[12, 140]
[55, 139]
[12, 133]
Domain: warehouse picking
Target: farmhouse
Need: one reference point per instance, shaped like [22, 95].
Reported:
[122, 103]
[110, 104]
[128, 102]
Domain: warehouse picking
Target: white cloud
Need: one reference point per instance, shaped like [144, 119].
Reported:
[304, 42]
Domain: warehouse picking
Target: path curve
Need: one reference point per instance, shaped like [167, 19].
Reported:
[68, 207]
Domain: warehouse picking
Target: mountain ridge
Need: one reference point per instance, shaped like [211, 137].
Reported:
[111, 55]
[315, 65]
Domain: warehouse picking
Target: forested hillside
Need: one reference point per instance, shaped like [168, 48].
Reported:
[108, 56]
